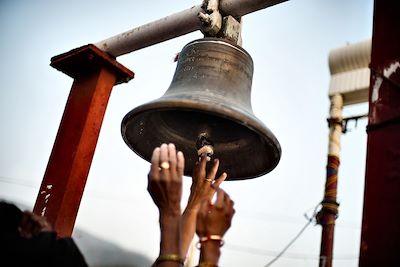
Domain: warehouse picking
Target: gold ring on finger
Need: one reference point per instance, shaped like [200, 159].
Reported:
[164, 165]
[208, 180]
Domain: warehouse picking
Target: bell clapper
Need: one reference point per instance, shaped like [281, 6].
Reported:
[204, 146]
[208, 150]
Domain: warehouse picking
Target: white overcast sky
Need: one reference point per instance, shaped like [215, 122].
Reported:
[289, 44]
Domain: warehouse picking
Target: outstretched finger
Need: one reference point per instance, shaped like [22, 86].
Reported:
[155, 163]
[202, 165]
[229, 209]
[232, 209]
[219, 180]
[219, 202]
[211, 174]
[164, 162]
[228, 204]
[172, 158]
[195, 170]
[180, 164]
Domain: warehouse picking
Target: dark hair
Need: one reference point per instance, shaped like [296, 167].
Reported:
[10, 217]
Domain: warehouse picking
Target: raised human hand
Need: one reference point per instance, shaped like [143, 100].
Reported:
[165, 179]
[204, 183]
[215, 219]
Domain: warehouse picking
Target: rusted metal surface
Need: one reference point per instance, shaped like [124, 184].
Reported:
[327, 237]
[175, 25]
[380, 237]
[95, 74]
[88, 59]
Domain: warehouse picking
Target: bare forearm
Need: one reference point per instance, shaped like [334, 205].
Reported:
[170, 234]
[188, 228]
[165, 188]
[169, 241]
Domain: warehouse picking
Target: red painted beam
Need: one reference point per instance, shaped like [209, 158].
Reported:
[95, 73]
[380, 237]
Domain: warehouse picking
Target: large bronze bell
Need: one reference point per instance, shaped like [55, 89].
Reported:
[207, 103]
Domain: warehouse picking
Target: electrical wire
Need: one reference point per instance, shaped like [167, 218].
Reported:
[292, 256]
[246, 215]
[309, 221]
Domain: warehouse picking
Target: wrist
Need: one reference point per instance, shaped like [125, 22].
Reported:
[169, 225]
[210, 252]
[193, 205]
[170, 213]
[191, 210]
[170, 234]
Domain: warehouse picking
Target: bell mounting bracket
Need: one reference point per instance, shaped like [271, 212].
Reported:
[216, 25]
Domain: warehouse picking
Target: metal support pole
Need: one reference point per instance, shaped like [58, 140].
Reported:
[95, 73]
[327, 215]
[380, 235]
[175, 25]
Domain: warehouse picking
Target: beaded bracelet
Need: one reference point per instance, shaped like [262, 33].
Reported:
[170, 257]
[210, 238]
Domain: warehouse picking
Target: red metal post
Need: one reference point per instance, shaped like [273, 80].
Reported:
[380, 237]
[95, 73]
[327, 215]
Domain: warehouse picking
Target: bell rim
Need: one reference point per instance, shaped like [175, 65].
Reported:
[221, 111]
